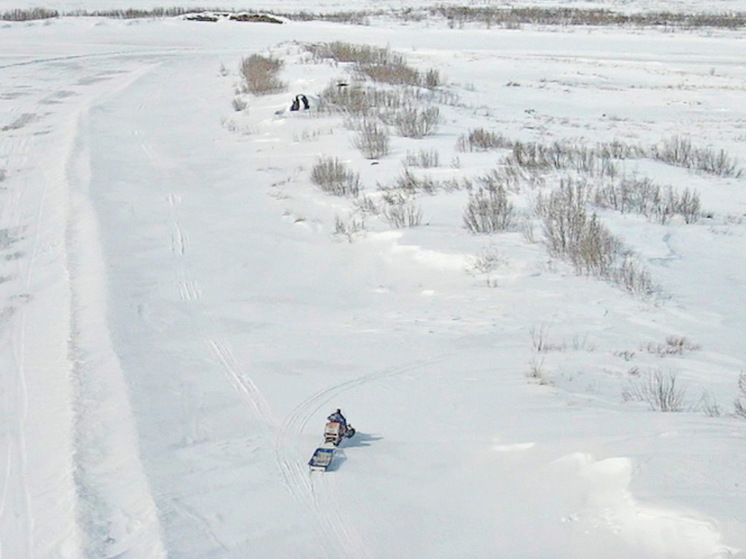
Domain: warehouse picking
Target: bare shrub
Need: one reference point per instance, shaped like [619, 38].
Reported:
[393, 71]
[350, 99]
[486, 261]
[489, 210]
[709, 405]
[673, 345]
[372, 138]
[631, 276]
[412, 183]
[502, 176]
[681, 152]
[432, 79]
[687, 205]
[259, 74]
[528, 232]
[574, 235]
[365, 205]
[349, 52]
[480, 139]
[333, 177]
[619, 150]
[414, 122]
[660, 391]
[357, 99]
[565, 219]
[536, 371]
[540, 338]
[348, 228]
[376, 63]
[422, 158]
[400, 210]
[532, 156]
[239, 104]
[593, 161]
[651, 200]
[740, 402]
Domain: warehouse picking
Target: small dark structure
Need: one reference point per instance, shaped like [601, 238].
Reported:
[299, 100]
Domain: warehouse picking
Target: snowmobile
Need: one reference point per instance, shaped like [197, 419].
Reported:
[334, 433]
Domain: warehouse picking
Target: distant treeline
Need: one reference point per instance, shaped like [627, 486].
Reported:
[456, 16]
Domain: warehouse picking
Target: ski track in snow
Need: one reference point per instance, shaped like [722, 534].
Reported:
[24, 211]
[243, 385]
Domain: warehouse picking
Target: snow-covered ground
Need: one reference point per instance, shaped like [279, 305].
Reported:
[178, 316]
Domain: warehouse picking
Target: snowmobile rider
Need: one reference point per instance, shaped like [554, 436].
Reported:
[337, 416]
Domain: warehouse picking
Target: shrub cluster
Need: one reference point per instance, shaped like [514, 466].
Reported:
[413, 183]
[659, 390]
[649, 199]
[674, 345]
[259, 74]
[413, 121]
[594, 161]
[333, 177]
[573, 234]
[400, 210]
[480, 139]
[422, 158]
[489, 209]
[372, 138]
[740, 402]
[376, 63]
[681, 152]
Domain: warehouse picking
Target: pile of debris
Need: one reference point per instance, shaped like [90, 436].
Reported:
[233, 16]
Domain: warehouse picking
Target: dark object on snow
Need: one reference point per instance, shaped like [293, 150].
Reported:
[255, 18]
[242, 16]
[335, 431]
[297, 102]
[321, 458]
[337, 428]
[201, 17]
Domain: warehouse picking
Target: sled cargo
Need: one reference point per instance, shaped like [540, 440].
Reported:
[321, 458]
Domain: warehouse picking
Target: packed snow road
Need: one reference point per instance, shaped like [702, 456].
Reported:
[177, 323]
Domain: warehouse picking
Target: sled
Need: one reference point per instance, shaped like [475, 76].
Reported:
[321, 458]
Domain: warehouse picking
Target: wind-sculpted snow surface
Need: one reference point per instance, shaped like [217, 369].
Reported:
[181, 307]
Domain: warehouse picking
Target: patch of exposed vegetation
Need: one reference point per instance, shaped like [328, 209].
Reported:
[259, 74]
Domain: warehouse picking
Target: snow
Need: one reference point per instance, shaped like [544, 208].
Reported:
[178, 316]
